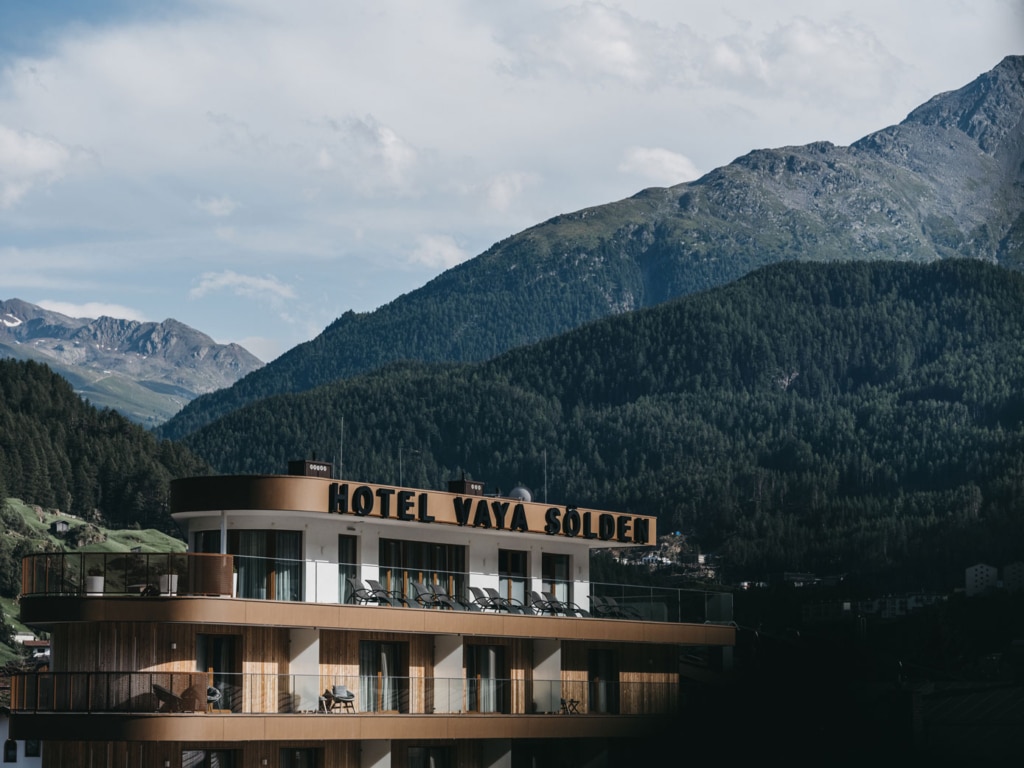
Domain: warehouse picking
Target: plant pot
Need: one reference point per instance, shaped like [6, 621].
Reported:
[169, 584]
[94, 586]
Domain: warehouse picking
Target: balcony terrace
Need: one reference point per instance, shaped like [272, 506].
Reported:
[134, 575]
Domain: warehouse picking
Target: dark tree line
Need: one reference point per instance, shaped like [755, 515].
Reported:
[58, 451]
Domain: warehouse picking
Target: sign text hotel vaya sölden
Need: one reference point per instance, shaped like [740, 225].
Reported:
[487, 512]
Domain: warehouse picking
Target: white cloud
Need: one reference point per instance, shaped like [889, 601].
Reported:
[505, 188]
[821, 59]
[28, 160]
[218, 206]
[249, 286]
[592, 42]
[438, 251]
[92, 309]
[800, 56]
[658, 166]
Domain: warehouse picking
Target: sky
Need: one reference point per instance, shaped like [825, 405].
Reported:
[255, 169]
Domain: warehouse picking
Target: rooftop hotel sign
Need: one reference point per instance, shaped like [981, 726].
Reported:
[487, 512]
[284, 494]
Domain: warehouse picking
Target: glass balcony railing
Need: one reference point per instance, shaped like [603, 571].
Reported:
[222, 693]
[258, 578]
[126, 573]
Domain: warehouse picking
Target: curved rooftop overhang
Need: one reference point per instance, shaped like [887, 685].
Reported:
[304, 496]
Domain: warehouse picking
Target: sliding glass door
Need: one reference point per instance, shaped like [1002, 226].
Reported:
[383, 677]
[486, 684]
[269, 563]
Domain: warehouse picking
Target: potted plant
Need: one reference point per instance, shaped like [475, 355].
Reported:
[94, 582]
[169, 584]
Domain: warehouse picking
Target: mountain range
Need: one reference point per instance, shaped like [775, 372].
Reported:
[146, 371]
[947, 181]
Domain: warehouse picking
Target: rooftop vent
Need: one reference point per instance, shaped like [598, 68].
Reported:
[466, 487]
[311, 468]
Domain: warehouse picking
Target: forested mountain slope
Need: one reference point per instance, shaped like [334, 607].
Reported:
[947, 181]
[59, 452]
[849, 416]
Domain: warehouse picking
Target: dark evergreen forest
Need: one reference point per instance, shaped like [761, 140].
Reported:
[856, 417]
[59, 452]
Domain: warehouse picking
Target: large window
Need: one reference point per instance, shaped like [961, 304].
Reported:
[268, 562]
[512, 574]
[402, 562]
[555, 574]
[383, 676]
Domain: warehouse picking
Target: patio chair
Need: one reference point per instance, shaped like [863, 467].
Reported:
[386, 597]
[507, 604]
[542, 605]
[601, 609]
[483, 600]
[564, 607]
[425, 596]
[444, 600]
[213, 696]
[622, 611]
[343, 697]
[358, 593]
[169, 701]
[457, 601]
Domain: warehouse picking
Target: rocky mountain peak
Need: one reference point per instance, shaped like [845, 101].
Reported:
[988, 109]
[146, 370]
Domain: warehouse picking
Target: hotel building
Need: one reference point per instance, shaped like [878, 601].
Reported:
[327, 623]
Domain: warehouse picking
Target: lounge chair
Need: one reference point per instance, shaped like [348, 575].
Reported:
[564, 607]
[484, 601]
[444, 600]
[621, 611]
[601, 609]
[507, 604]
[385, 597]
[169, 701]
[425, 596]
[457, 601]
[542, 605]
[358, 593]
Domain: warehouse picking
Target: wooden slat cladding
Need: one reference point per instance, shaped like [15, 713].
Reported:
[167, 652]
[265, 666]
[647, 680]
[150, 647]
[339, 663]
[101, 754]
